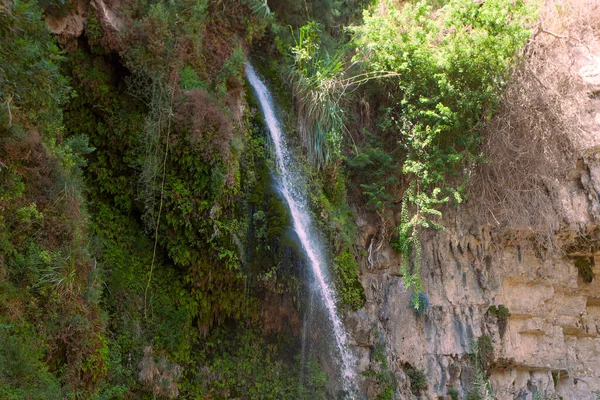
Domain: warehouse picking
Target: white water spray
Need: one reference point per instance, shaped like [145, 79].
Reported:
[303, 226]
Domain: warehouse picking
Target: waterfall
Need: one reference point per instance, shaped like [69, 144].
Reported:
[288, 181]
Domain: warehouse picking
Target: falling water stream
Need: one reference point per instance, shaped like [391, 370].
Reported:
[287, 182]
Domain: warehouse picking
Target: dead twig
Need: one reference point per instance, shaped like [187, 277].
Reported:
[540, 29]
[535, 137]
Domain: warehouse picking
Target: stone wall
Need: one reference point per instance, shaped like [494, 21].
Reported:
[549, 343]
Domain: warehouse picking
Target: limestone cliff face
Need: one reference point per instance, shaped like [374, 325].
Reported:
[549, 345]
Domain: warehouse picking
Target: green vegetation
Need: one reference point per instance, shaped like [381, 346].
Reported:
[53, 344]
[140, 233]
[435, 71]
[418, 379]
[314, 74]
[22, 374]
[442, 73]
[385, 378]
[501, 313]
[125, 300]
[31, 86]
[454, 394]
[346, 270]
[420, 303]
[482, 356]
[585, 268]
[251, 370]
[335, 219]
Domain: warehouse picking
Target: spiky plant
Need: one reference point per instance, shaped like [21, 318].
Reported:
[315, 78]
[260, 8]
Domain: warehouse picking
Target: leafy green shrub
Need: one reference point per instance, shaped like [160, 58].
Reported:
[93, 28]
[585, 267]
[317, 91]
[501, 313]
[379, 170]
[23, 375]
[378, 352]
[442, 73]
[418, 379]
[420, 303]
[30, 79]
[454, 394]
[190, 80]
[386, 380]
[231, 74]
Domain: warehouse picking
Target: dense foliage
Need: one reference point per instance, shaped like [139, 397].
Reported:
[314, 75]
[53, 343]
[140, 233]
[435, 71]
[441, 71]
[175, 178]
[29, 65]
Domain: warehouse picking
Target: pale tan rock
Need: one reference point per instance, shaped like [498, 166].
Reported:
[72, 24]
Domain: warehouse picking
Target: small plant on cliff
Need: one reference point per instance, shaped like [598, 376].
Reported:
[315, 75]
[454, 394]
[482, 356]
[385, 378]
[418, 379]
[420, 303]
[585, 268]
[545, 395]
[501, 313]
[473, 395]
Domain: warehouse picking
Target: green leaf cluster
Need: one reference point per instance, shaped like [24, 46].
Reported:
[314, 74]
[417, 378]
[245, 365]
[54, 344]
[22, 373]
[30, 79]
[441, 71]
[387, 383]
